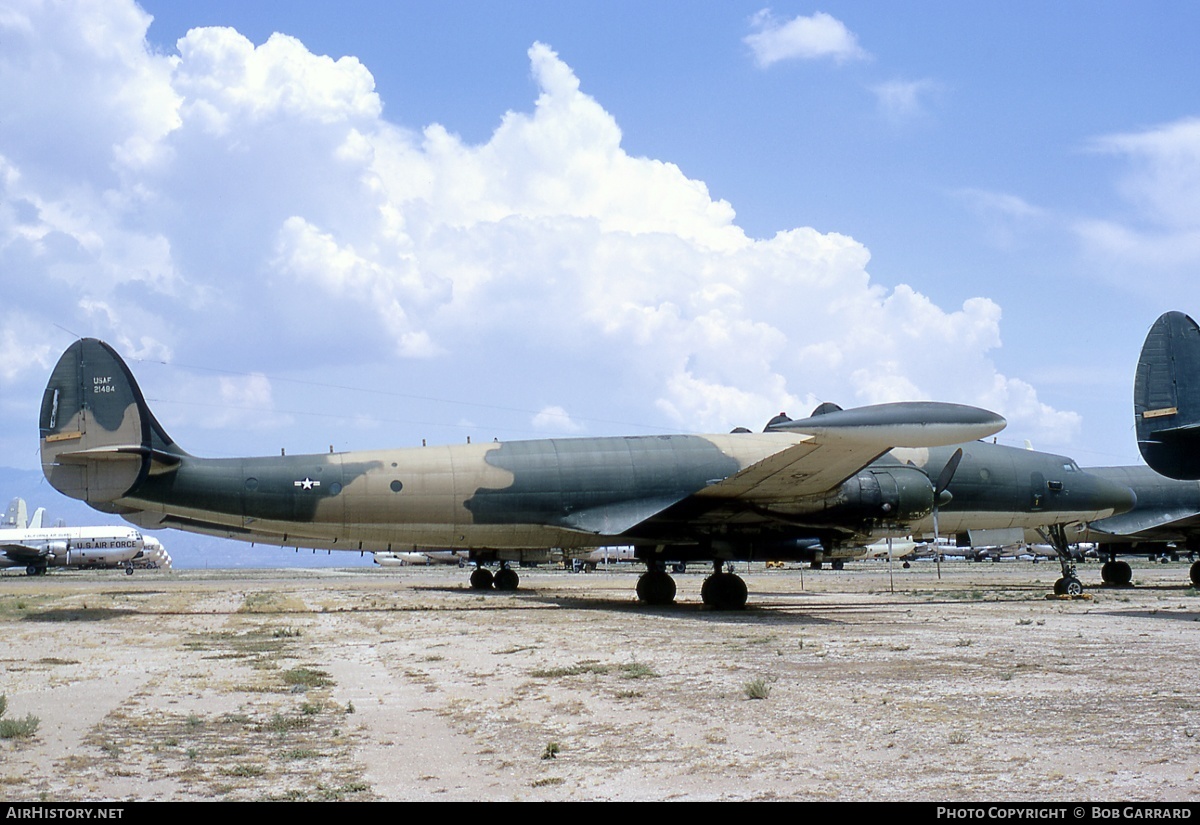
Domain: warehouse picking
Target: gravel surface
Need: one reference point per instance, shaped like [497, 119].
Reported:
[403, 684]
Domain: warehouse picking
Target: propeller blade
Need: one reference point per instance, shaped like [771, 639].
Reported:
[948, 472]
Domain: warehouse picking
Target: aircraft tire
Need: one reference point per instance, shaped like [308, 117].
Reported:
[724, 591]
[1106, 572]
[1123, 573]
[1068, 586]
[482, 579]
[1195, 573]
[506, 579]
[656, 587]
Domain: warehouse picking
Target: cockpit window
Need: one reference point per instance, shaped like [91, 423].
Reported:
[1071, 467]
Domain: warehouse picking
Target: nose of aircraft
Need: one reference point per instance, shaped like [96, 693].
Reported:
[1110, 494]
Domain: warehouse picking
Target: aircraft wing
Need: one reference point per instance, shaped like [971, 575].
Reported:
[839, 444]
[832, 447]
[21, 552]
[1136, 522]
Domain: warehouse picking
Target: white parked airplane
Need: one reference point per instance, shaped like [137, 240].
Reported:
[35, 547]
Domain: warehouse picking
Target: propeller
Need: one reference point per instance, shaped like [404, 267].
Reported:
[939, 490]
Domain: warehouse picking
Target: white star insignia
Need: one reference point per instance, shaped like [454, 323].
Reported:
[307, 483]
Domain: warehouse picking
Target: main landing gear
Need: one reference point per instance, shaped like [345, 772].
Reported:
[656, 586]
[1116, 573]
[720, 591]
[503, 579]
[723, 591]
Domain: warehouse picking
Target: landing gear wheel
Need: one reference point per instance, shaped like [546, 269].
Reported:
[1122, 573]
[129, 570]
[838, 565]
[724, 591]
[481, 579]
[1195, 573]
[656, 587]
[506, 579]
[1117, 573]
[1068, 586]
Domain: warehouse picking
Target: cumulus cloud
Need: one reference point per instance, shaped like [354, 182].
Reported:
[820, 36]
[253, 199]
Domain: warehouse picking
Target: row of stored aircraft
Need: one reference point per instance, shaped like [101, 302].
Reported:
[26, 542]
[838, 478]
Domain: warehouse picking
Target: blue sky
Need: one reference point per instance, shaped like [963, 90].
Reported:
[407, 221]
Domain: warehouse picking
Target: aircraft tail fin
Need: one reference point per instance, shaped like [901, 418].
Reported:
[99, 439]
[17, 515]
[1166, 397]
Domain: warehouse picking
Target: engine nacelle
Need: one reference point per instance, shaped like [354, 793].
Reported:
[56, 552]
[892, 495]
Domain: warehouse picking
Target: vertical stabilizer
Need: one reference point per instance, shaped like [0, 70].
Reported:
[17, 514]
[98, 436]
[1166, 397]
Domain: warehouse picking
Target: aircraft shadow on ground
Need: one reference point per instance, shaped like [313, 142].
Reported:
[1173, 615]
[80, 614]
[791, 611]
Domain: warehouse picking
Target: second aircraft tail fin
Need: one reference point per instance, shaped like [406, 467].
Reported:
[1166, 397]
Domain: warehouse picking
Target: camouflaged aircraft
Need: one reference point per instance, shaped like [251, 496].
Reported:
[714, 498]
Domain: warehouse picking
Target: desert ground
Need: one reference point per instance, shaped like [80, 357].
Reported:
[964, 684]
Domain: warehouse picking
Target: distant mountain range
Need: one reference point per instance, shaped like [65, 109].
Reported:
[187, 550]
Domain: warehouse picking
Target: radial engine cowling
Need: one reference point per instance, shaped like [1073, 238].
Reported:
[56, 552]
[898, 495]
